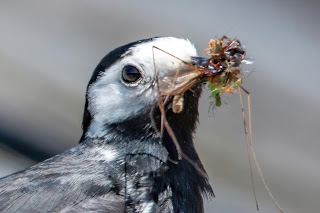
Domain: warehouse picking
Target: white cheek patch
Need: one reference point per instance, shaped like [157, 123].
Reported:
[115, 102]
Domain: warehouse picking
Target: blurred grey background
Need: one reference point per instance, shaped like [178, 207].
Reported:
[48, 50]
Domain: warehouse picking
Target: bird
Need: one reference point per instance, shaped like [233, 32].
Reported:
[122, 163]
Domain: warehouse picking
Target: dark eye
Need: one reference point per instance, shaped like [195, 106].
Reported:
[130, 74]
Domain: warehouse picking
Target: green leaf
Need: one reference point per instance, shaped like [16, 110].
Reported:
[222, 78]
[211, 86]
[218, 100]
[215, 93]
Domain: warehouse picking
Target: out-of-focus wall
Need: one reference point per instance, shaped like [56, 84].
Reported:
[48, 50]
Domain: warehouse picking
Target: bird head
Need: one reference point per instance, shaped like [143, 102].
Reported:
[123, 88]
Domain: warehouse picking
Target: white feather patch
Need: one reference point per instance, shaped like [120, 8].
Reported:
[148, 207]
[108, 154]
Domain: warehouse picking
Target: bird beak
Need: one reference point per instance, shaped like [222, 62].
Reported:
[183, 78]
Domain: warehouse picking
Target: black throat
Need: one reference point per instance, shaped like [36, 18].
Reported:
[187, 184]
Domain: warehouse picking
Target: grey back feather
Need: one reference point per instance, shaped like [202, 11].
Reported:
[82, 180]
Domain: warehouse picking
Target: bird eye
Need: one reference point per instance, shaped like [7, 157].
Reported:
[130, 74]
